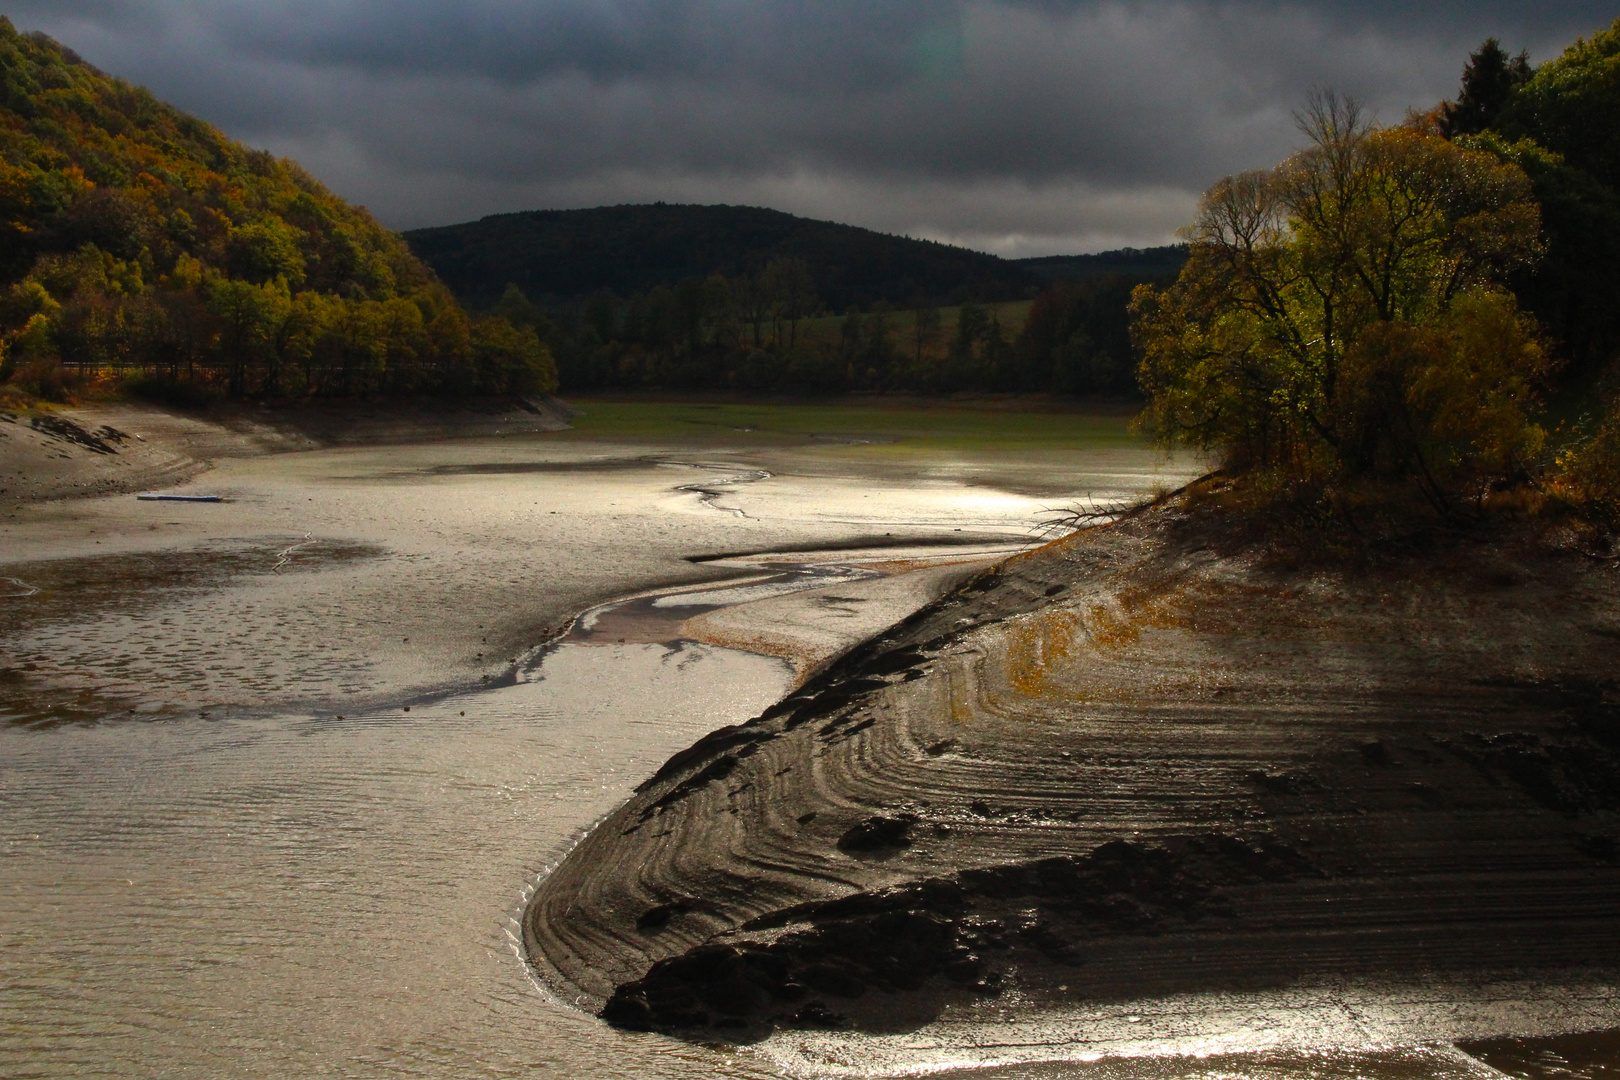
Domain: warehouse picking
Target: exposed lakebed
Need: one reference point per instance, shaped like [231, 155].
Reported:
[1155, 800]
[272, 866]
[228, 849]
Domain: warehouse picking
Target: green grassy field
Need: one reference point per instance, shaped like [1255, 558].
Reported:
[1012, 315]
[1011, 425]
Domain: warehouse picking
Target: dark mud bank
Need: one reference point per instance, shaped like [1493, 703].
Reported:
[1144, 760]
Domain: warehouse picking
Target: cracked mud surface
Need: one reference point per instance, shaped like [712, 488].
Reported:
[1136, 763]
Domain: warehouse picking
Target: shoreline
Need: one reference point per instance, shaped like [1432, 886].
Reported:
[120, 447]
[1280, 742]
[331, 578]
[967, 400]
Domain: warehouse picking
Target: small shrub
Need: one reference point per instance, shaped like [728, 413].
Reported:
[168, 390]
[45, 380]
[1590, 474]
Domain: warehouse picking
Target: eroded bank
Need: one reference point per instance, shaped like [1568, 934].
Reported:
[1143, 772]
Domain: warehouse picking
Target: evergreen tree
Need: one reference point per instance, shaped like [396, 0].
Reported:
[1488, 82]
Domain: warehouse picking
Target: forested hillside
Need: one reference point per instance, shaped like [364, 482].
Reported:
[556, 255]
[1560, 122]
[1152, 262]
[725, 297]
[139, 243]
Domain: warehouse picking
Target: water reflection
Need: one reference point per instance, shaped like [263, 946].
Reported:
[287, 896]
[1401, 1063]
[1592, 1055]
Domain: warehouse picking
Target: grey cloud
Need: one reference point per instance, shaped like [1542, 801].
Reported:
[855, 43]
[1021, 126]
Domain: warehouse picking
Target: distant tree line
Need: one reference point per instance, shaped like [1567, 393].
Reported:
[770, 331]
[562, 256]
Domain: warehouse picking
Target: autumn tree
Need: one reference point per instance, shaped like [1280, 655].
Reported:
[1340, 317]
[140, 244]
[792, 292]
[925, 322]
[1077, 339]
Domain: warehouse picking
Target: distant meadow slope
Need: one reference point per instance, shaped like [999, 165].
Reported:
[139, 243]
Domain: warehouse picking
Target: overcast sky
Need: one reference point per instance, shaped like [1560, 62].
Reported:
[1022, 127]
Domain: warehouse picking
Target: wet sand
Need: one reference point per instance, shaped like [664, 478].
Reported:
[108, 447]
[278, 772]
[1140, 797]
[334, 579]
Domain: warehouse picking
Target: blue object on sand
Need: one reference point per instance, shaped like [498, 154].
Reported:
[181, 498]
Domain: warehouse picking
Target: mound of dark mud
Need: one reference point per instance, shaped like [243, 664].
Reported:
[941, 931]
[1143, 760]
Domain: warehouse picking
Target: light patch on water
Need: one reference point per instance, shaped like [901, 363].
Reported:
[1394, 1030]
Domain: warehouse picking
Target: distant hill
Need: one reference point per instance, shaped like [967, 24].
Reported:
[139, 242]
[1132, 262]
[565, 254]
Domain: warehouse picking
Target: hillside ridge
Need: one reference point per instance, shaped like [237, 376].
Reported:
[140, 243]
[631, 248]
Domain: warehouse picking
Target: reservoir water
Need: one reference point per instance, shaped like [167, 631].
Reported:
[311, 896]
[277, 773]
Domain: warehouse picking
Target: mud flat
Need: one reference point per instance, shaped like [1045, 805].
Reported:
[1152, 774]
[349, 576]
[115, 447]
[261, 758]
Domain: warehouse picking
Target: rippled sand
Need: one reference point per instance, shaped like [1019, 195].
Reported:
[271, 867]
[1154, 801]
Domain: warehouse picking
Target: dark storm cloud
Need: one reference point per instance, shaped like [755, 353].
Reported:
[1021, 126]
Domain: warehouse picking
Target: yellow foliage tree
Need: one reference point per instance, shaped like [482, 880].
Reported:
[1340, 319]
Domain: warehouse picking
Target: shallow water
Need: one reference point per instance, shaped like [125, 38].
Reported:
[311, 896]
[243, 894]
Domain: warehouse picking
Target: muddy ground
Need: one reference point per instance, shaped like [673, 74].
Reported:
[1153, 759]
[113, 447]
[256, 802]
[388, 562]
